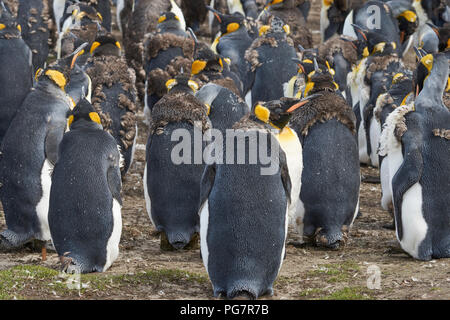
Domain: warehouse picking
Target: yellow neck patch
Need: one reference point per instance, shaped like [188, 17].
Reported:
[287, 29]
[197, 66]
[404, 99]
[2, 26]
[308, 88]
[448, 85]
[118, 45]
[327, 3]
[448, 43]
[409, 15]
[57, 77]
[95, 117]
[193, 85]
[286, 135]
[262, 113]
[69, 121]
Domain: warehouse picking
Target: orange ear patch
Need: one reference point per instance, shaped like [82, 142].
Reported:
[95, 117]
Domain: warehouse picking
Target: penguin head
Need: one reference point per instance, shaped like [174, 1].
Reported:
[182, 83]
[275, 25]
[84, 14]
[443, 36]
[168, 20]
[321, 78]
[84, 115]
[376, 43]
[422, 71]
[59, 72]
[229, 23]
[8, 25]
[277, 113]
[206, 60]
[407, 23]
[105, 45]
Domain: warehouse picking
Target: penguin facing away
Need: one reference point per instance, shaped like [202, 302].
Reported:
[243, 228]
[114, 95]
[173, 171]
[85, 205]
[326, 128]
[287, 11]
[16, 70]
[415, 140]
[160, 49]
[232, 42]
[270, 57]
[226, 107]
[29, 152]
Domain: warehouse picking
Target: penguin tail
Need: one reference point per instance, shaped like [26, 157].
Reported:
[248, 290]
[333, 238]
[9, 240]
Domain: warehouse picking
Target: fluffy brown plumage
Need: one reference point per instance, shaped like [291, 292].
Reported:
[178, 107]
[160, 42]
[157, 78]
[289, 13]
[337, 45]
[105, 72]
[142, 20]
[326, 107]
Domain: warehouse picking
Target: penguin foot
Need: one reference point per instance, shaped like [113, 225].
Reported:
[298, 244]
[68, 265]
[194, 244]
[394, 248]
[389, 226]
[370, 179]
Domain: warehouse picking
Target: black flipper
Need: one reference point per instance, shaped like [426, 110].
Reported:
[114, 178]
[207, 182]
[408, 174]
[54, 136]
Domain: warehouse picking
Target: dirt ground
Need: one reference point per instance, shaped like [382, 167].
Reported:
[143, 271]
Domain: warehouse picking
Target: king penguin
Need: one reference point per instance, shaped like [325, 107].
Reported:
[114, 94]
[287, 11]
[29, 152]
[16, 70]
[244, 205]
[160, 49]
[398, 94]
[270, 57]
[84, 214]
[174, 168]
[416, 142]
[231, 42]
[326, 128]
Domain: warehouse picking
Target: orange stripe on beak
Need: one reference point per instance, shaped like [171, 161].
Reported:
[297, 105]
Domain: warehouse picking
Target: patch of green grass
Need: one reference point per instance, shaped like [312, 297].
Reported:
[337, 272]
[349, 293]
[21, 281]
[310, 292]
